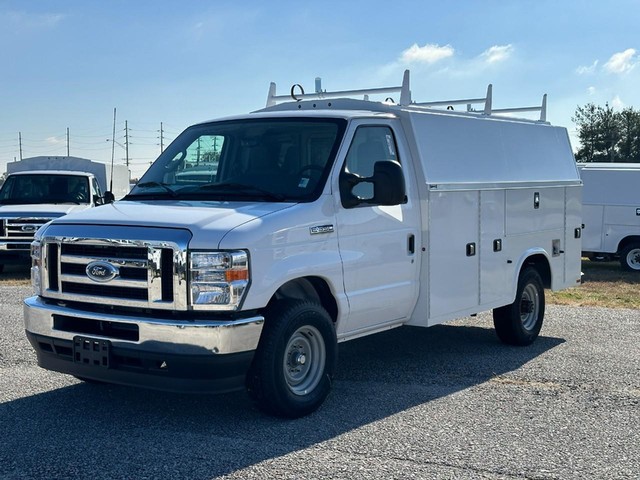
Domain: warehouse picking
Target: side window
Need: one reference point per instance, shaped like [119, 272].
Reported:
[96, 187]
[370, 144]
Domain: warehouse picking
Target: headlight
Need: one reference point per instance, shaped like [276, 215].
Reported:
[218, 280]
[36, 263]
[36, 251]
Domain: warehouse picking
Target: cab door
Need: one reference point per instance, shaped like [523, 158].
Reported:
[378, 244]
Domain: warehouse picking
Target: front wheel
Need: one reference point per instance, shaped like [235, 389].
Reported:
[630, 258]
[293, 367]
[520, 322]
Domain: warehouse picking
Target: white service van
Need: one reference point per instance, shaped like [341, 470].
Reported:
[321, 220]
[611, 212]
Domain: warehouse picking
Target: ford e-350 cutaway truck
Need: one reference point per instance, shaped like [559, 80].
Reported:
[255, 244]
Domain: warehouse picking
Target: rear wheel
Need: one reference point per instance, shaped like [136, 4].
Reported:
[295, 361]
[630, 257]
[520, 322]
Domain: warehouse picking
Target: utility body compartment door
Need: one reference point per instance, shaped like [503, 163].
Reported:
[453, 246]
[379, 245]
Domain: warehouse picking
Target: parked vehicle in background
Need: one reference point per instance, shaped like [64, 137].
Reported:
[318, 221]
[40, 189]
[611, 212]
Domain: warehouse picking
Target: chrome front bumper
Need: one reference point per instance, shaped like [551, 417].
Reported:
[159, 334]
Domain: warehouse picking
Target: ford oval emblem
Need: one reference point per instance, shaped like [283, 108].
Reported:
[101, 271]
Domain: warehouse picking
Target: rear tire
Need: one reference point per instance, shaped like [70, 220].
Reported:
[520, 322]
[630, 258]
[294, 364]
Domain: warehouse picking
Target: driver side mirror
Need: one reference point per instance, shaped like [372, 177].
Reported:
[109, 197]
[388, 185]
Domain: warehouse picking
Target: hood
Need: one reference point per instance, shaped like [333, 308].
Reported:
[216, 218]
[41, 210]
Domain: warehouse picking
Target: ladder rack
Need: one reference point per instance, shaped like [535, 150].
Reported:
[405, 98]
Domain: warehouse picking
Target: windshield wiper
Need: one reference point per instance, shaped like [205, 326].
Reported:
[240, 189]
[164, 186]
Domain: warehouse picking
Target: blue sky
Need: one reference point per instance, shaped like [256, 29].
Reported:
[68, 63]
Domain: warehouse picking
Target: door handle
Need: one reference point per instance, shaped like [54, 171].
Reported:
[411, 244]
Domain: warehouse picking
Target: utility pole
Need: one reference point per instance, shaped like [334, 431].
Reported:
[67, 141]
[161, 139]
[126, 141]
[20, 143]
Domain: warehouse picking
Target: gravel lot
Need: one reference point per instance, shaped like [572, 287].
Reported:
[445, 402]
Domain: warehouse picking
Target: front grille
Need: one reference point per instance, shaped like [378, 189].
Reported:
[104, 251]
[97, 290]
[20, 229]
[120, 272]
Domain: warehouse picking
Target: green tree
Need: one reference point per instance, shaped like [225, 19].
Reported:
[586, 118]
[629, 143]
[599, 133]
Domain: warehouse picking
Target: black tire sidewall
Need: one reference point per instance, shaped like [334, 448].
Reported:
[507, 320]
[623, 257]
[271, 390]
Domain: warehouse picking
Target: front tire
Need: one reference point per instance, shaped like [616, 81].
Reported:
[630, 258]
[294, 364]
[520, 322]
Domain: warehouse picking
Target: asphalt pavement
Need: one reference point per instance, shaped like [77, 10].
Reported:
[445, 402]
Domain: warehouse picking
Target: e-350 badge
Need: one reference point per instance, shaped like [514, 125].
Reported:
[318, 229]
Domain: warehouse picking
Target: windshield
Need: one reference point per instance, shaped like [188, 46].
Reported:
[44, 188]
[281, 160]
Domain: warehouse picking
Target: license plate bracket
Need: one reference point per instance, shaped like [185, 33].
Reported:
[94, 352]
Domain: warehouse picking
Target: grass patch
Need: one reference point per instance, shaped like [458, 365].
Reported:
[604, 284]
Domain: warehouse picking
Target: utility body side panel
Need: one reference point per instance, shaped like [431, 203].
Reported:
[611, 203]
[498, 192]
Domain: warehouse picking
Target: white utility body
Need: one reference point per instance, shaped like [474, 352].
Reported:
[254, 244]
[39, 189]
[611, 212]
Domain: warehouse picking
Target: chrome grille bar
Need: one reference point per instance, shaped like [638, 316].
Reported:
[135, 257]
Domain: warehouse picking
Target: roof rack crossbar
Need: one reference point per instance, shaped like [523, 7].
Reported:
[405, 93]
[542, 109]
[405, 98]
[443, 103]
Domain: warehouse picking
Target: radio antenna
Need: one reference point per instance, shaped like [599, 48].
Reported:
[113, 149]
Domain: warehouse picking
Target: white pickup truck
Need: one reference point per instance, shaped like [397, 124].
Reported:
[317, 220]
[39, 189]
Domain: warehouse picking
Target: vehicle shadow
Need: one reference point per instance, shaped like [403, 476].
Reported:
[104, 431]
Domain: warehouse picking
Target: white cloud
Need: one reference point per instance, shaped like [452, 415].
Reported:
[617, 103]
[54, 140]
[28, 20]
[429, 53]
[622, 62]
[591, 90]
[497, 53]
[582, 70]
